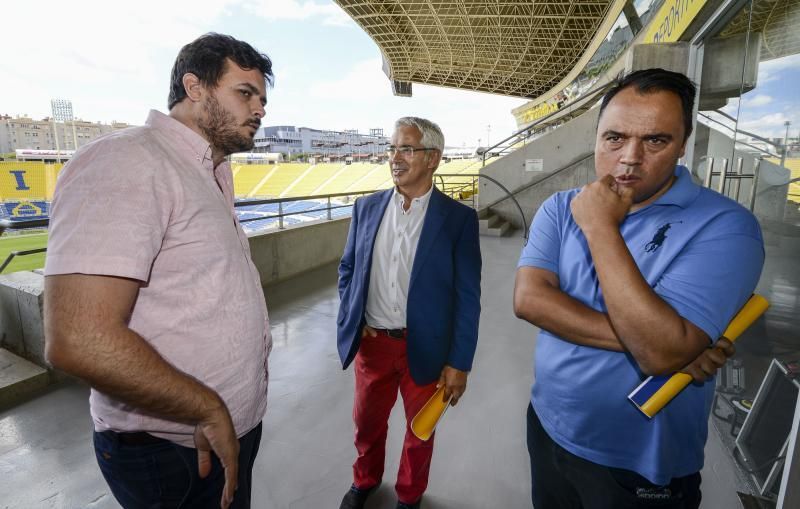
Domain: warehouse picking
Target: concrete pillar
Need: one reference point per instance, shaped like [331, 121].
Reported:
[672, 56]
[632, 16]
[21, 326]
[724, 61]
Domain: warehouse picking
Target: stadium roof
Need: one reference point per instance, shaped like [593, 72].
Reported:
[777, 20]
[519, 48]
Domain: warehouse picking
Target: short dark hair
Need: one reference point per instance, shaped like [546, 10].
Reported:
[657, 80]
[205, 58]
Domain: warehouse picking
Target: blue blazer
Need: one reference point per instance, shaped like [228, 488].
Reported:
[444, 292]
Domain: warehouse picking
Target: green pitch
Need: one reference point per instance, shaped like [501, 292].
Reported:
[21, 243]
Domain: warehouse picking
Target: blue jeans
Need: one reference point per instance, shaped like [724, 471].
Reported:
[561, 480]
[164, 475]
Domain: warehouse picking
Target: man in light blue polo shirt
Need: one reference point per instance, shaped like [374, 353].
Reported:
[635, 274]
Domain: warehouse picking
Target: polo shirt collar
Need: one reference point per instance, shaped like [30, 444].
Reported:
[182, 134]
[682, 193]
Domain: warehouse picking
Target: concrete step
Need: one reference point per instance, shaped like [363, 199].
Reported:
[489, 222]
[19, 379]
[493, 225]
[501, 230]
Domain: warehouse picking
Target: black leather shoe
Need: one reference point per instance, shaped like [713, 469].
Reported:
[355, 498]
[403, 505]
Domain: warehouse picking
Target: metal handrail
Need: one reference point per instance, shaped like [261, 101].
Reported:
[6, 224]
[479, 176]
[14, 254]
[739, 131]
[735, 177]
[301, 198]
[550, 175]
[531, 130]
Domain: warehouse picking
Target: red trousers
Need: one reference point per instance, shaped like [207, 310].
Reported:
[381, 368]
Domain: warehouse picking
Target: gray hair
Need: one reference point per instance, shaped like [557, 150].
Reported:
[432, 136]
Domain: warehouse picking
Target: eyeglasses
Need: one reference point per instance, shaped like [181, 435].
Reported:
[405, 150]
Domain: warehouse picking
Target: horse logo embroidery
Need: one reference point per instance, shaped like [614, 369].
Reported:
[658, 238]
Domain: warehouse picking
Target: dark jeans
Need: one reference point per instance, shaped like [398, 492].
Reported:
[164, 474]
[561, 480]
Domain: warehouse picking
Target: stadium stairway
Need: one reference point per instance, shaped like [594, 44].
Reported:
[491, 224]
[19, 379]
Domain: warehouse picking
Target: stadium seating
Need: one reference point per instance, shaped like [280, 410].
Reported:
[303, 210]
[248, 177]
[308, 182]
[26, 187]
[276, 183]
[345, 178]
[18, 210]
[793, 165]
[376, 176]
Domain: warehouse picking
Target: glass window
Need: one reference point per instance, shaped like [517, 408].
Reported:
[748, 127]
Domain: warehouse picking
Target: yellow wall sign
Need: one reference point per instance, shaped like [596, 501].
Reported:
[538, 111]
[672, 20]
[668, 25]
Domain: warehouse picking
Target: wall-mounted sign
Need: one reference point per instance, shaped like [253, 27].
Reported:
[672, 20]
[534, 164]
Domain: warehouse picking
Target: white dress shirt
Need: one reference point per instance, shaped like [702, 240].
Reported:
[392, 260]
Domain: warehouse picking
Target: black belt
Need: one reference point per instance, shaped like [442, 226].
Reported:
[393, 333]
[138, 438]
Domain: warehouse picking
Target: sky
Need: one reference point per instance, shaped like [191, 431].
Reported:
[112, 59]
[775, 100]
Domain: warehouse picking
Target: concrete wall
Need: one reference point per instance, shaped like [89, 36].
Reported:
[21, 327]
[278, 255]
[566, 148]
[530, 199]
[282, 254]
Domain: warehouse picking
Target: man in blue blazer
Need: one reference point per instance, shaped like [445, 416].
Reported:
[409, 284]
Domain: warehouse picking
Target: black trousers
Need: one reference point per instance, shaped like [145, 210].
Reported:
[561, 480]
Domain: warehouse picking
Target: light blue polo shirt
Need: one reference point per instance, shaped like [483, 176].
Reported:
[702, 253]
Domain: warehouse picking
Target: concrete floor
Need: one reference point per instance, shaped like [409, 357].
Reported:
[46, 457]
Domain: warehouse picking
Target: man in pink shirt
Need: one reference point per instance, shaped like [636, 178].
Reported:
[151, 296]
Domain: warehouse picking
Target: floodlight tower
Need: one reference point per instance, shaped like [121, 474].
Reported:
[62, 112]
[785, 144]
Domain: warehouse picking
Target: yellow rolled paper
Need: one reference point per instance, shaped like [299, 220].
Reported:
[754, 308]
[424, 423]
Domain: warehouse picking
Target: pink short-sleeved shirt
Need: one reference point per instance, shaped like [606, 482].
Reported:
[147, 203]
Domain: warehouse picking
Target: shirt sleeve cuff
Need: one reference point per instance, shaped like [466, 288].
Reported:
[539, 263]
[699, 321]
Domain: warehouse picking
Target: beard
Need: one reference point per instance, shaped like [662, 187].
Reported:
[221, 129]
